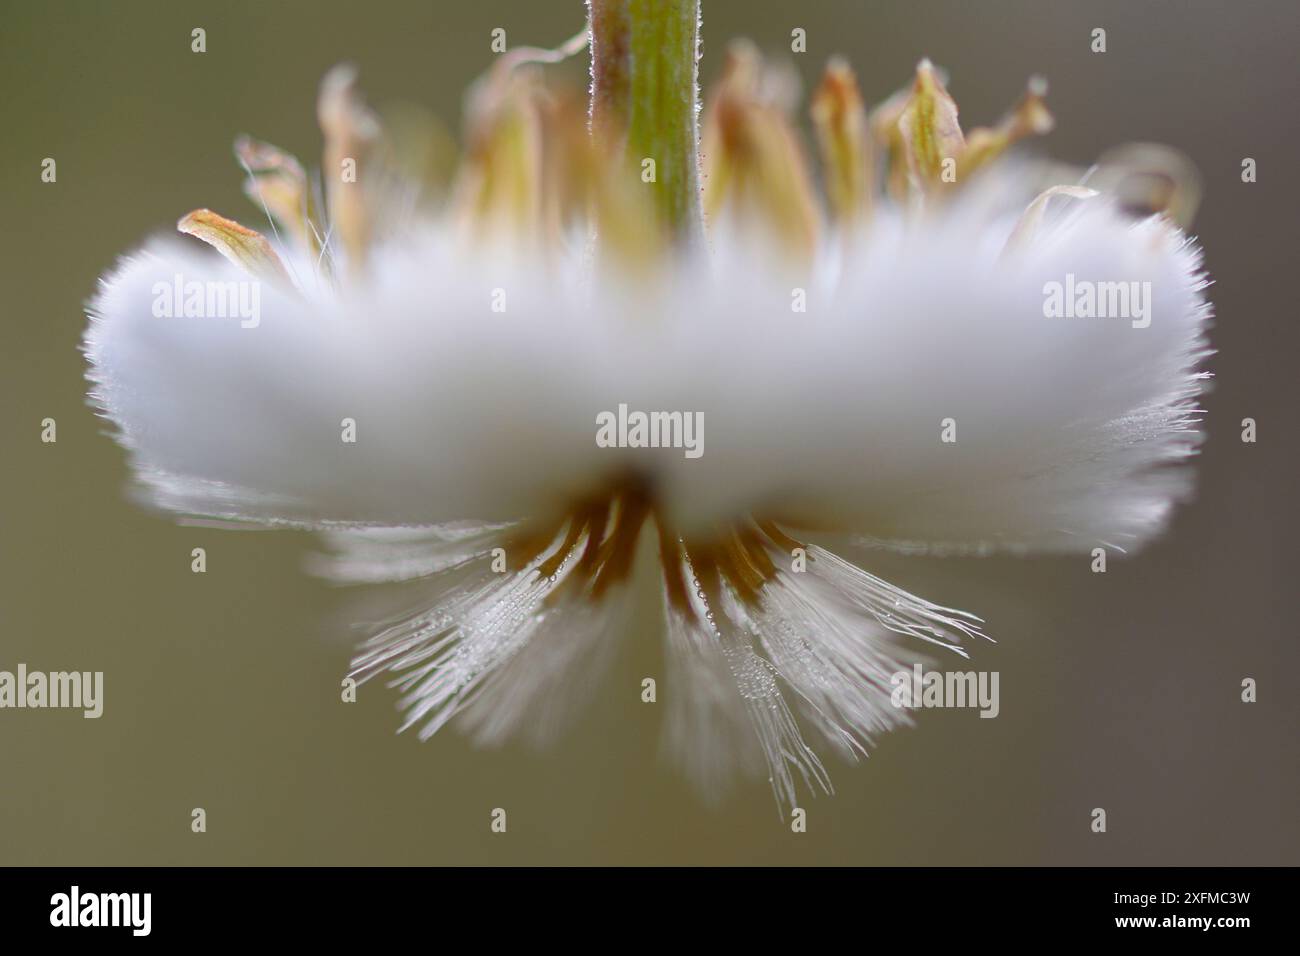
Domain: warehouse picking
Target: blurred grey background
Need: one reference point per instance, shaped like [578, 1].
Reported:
[222, 690]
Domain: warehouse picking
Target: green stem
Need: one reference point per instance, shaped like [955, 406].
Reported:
[644, 79]
[611, 39]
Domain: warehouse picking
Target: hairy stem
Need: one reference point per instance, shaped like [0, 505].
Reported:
[644, 86]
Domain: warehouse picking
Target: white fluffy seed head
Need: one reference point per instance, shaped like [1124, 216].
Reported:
[1067, 431]
[910, 389]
